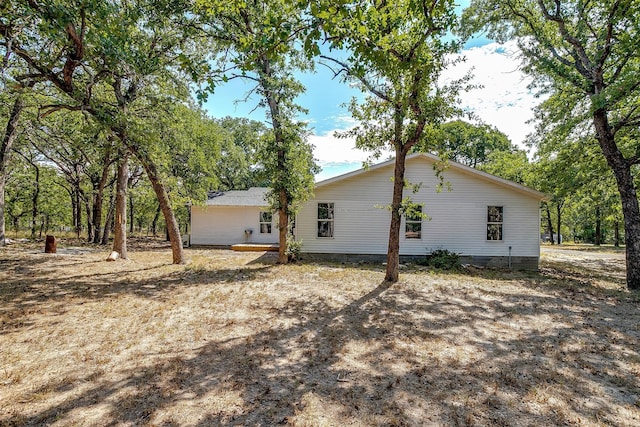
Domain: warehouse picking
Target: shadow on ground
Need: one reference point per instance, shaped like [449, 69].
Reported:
[506, 349]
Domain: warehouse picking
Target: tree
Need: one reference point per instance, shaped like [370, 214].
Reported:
[263, 44]
[470, 144]
[83, 153]
[584, 54]
[512, 164]
[396, 54]
[103, 57]
[240, 165]
[562, 168]
[8, 139]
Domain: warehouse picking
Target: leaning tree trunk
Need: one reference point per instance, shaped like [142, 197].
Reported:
[8, 139]
[393, 251]
[165, 205]
[120, 223]
[630, 208]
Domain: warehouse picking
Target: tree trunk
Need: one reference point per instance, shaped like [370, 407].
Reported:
[154, 223]
[44, 225]
[34, 201]
[283, 227]
[630, 209]
[393, 252]
[165, 205]
[281, 167]
[616, 235]
[8, 139]
[89, 212]
[131, 217]
[549, 223]
[559, 205]
[120, 227]
[78, 210]
[3, 239]
[108, 222]
[98, 197]
[598, 226]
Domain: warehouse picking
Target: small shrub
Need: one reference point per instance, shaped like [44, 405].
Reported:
[443, 259]
[294, 249]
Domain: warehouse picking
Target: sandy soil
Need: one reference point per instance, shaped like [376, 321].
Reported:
[234, 339]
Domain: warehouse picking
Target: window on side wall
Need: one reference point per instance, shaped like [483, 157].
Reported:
[494, 222]
[265, 222]
[413, 223]
[325, 219]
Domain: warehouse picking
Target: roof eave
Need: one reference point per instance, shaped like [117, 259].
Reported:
[466, 169]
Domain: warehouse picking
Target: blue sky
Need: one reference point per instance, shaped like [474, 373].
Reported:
[503, 101]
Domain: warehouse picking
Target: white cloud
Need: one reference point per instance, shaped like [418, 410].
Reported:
[503, 100]
[329, 149]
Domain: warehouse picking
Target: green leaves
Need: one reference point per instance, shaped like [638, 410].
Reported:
[466, 143]
[396, 56]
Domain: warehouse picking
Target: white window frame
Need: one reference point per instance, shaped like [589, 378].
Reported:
[495, 224]
[264, 224]
[413, 221]
[329, 220]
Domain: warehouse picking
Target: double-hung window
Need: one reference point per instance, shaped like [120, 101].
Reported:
[265, 222]
[494, 222]
[413, 223]
[325, 219]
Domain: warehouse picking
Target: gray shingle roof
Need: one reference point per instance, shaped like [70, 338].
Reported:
[254, 196]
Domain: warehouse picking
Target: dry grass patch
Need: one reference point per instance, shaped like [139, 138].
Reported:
[234, 339]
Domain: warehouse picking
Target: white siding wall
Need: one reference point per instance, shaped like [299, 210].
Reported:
[458, 218]
[225, 225]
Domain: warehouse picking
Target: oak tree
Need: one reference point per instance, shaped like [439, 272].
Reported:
[584, 52]
[395, 52]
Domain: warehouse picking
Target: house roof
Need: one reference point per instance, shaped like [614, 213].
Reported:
[254, 196]
[451, 165]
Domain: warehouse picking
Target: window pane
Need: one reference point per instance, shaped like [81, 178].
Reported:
[265, 228]
[325, 210]
[494, 231]
[494, 214]
[325, 228]
[266, 216]
[413, 230]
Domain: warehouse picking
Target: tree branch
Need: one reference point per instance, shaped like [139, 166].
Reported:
[349, 71]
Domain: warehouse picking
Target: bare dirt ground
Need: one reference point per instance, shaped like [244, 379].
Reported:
[233, 339]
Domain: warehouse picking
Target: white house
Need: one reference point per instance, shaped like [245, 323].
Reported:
[233, 217]
[486, 219]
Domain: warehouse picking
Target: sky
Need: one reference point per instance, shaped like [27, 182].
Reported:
[501, 100]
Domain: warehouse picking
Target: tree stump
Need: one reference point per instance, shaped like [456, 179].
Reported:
[50, 245]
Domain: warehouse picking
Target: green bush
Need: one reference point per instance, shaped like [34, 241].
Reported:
[294, 249]
[443, 259]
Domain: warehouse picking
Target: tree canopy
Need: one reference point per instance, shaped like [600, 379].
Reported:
[395, 55]
[583, 53]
